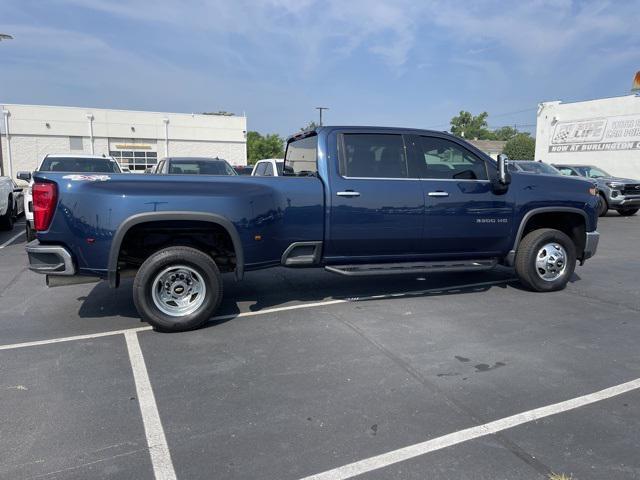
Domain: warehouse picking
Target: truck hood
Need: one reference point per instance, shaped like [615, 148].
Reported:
[616, 179]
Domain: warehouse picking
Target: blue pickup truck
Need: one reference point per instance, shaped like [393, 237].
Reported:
[352, 200]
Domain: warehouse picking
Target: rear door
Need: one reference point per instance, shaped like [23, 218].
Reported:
[463, 216]
[376, 202]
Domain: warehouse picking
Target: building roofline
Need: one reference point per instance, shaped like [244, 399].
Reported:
[560, 102]
[115, 110]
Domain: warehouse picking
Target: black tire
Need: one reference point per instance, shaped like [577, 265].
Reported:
[6, 220]
[603, 206]
[527, 253]
[31, 233]
[628, 212]
[143, 286]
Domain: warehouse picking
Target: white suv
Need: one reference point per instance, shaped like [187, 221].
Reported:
[64, 162]
[269, 167]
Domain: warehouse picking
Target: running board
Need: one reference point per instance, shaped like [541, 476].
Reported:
[413, 267]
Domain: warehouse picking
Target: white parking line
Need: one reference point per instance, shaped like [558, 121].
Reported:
[71, 339]
[455, 438]
[12, 239]
[156, 440]
[260, 312]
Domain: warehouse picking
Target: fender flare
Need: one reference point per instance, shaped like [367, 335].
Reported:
[510, 259]
[126, 225]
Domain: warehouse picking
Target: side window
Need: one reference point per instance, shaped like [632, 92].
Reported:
[567, 171]
[300, 158]
[268, 171]
[445, 159]
[260, 169]
[373, 156]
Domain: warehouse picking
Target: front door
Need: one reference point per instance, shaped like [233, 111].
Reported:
[463, 216]
[376, 201]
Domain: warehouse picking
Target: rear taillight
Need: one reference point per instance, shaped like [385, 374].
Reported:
[45, 196]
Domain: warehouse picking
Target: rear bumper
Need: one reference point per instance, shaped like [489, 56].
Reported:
[591, 245]
[49, 259]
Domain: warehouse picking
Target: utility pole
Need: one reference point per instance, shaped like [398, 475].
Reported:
[320, 109]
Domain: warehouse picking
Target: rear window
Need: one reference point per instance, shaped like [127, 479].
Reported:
[301, 157]
[200, 167]
[77, 164]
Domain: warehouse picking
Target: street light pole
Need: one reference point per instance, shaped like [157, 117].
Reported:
[320, 109]
[4, 36]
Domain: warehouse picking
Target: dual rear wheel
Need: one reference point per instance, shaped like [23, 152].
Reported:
[177, 289]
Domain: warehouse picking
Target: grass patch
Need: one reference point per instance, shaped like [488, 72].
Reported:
[559, 476]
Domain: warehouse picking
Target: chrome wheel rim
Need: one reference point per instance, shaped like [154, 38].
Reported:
[178, 290]
[551, 262]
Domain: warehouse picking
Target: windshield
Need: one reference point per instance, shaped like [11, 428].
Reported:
[538, 167]
[201, 167]
[79, 164]
[591, 172]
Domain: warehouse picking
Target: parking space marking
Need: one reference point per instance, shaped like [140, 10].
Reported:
[71, 339]
[12, 239]
[156, 440]
[262, 312]
[406, 453]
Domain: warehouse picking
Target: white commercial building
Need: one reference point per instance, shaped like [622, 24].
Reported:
[604, 133]
[135, 139]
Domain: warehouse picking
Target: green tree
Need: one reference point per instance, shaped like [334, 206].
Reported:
[310, 126]
[520, 147]
[471, 127]
[505, 133]
[264, 146]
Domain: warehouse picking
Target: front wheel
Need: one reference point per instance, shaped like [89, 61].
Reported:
[603, 206]
[628, 212]
[177, 289]
[545, 260]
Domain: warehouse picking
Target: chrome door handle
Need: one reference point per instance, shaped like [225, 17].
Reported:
[348, 193]
[438, 194]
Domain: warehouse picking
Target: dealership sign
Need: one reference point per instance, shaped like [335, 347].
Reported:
[597, 135]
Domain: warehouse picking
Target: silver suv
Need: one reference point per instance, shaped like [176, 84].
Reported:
[621, 194]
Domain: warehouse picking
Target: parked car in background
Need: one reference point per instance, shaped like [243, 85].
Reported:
[11, 202]
[193, 166]
[64, 162]
[530, 166]
[269, 167]
[357, 201]
[243, 169]
[621, 194]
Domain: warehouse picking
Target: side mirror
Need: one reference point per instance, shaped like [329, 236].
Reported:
[504, 176]
[26, 176]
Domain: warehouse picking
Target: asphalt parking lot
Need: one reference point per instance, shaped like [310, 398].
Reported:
[305, 373]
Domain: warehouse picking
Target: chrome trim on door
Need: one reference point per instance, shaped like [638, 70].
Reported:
[348, 194]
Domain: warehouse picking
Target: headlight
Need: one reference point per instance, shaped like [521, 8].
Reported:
[615, 185]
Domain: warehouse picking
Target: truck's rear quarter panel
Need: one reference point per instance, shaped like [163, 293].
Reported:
[280, 210]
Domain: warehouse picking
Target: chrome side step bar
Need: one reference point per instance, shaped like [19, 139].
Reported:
[413, 267]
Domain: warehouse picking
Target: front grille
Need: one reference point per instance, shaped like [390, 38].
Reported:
[631, 189]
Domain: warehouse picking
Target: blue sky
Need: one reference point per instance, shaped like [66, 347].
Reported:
[376, 62]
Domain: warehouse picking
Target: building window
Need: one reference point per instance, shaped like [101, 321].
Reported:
[76, 143]
[135, 161]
